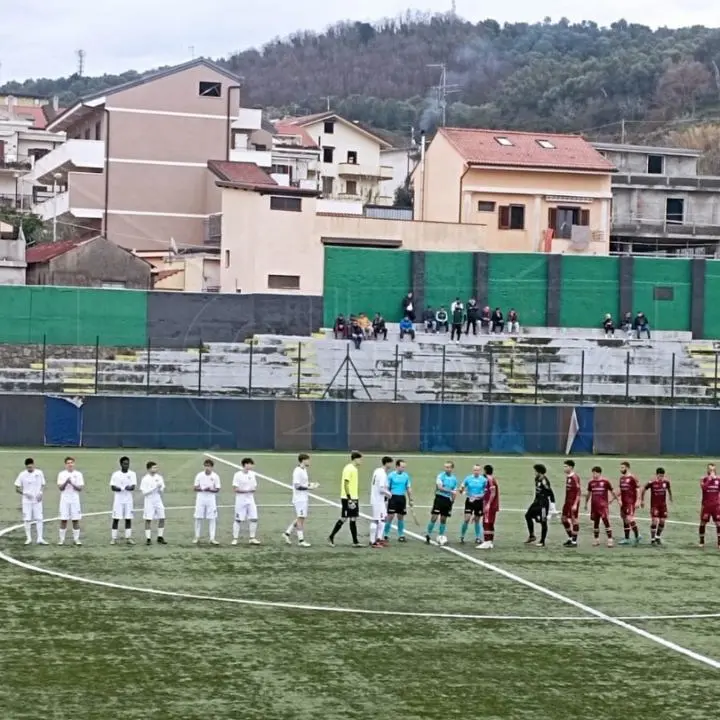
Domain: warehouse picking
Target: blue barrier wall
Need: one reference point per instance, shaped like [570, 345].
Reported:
[187, 423]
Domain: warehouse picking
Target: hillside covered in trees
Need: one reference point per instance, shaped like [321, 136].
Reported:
[550, 75]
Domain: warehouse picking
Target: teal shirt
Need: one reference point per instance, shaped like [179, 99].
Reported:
[475, 486]
[398, 483]
[448, 484]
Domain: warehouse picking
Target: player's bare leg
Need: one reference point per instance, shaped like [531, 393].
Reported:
[388, 525]
[431, 527]
[300, 530]
[198, 531]
[253, 532]
[608, 531]
[161, 532]
[128, 533]
[653, 531]
[76, 532]
[148, 532]
[212, 530]
[572, 529]
[701, 531]
[114, 531]
[596, 532]
[626, 531]
[62, 532]
[658, 534]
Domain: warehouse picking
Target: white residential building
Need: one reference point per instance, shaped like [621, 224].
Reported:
[402, 161]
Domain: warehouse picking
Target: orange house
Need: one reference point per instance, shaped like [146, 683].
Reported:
[533, 191]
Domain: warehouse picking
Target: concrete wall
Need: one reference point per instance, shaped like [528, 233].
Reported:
[629, 204]
[637, 162]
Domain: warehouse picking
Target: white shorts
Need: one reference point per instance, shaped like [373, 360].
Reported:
[379, 511]
[246, 509]
[70, 508]
[206, 508]
[122, 509]
[32, 510]
[301, 508]
[153, 509]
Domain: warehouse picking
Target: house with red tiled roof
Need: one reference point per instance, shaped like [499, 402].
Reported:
[90, 262]
[530, 191]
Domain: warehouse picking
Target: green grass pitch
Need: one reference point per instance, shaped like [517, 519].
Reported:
[70, 649]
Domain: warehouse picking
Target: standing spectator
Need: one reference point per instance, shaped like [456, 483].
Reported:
[513, 321]
[441, 319]
[641, 325]
[406, 328]
[497, 321]
[473, 315]
[485, 316]
[454, 304]
[627, 323]
[340, 327]
[609, 326]
[458, 313]
[429, 320]
[356, 333]
[408, 307]
[379, 327]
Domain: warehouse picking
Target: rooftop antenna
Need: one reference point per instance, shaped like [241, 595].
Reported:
[453, 8]
[80, 62]
[327, 100]
[442, 90]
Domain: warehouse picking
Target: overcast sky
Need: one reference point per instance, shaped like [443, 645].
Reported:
[40, 39]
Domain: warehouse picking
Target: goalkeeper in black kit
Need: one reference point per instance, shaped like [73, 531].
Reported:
[542, 506]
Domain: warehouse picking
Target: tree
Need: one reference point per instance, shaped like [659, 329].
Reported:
[681, 85]
[404, 196]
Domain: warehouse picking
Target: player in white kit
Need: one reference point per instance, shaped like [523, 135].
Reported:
[152, 487]
[301, 486]
[30, 484]
[244, 487]
[70, 483]
[206, 486]
[122, 483]
[379, 494]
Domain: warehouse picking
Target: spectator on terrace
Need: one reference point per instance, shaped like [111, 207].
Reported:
[641, 325]
[513, 323]
[441, 319]
[627, 323]
[364, 322]
[356, 333]
[406, 328]
[497, 321]
[408, 307]
[340, 327]
[429, 320]
[379, 327]
[458, 314]
[485, 318]
[454, 304]
[609, 326]
[473, 315]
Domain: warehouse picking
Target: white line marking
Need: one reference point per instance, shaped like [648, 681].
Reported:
[698, 657]
[314, 608]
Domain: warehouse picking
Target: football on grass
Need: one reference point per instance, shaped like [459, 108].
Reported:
[442, 540]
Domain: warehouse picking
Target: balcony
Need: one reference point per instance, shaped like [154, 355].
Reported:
[82, 155]
[13, 165]
[373, 172]
[84, 199]
[633, 227]
[707, 183]
[261, 158]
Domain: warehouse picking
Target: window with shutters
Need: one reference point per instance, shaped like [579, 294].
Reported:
[561, 220]
[511, 217]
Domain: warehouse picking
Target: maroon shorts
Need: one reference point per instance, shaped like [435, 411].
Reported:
[599, 513]
[658, 512]
[627, 510]
[711, 512]
[571, 511]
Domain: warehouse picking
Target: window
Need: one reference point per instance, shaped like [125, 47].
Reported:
[291, 204]
[98, 130]
[545, 144]
[227, 259]
[352, 157]
[655, 164]
[511, 217]
[210, 89]
[37, 153]
[283, 282]
[351, 187]
[327, 186]
[486, 206]
[328, 154]
[329, 127]
[260, 148]
[562, 219]
[674, 210]
[280, 170]
[503, 141]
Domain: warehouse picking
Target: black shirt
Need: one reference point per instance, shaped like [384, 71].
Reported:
[544, 494]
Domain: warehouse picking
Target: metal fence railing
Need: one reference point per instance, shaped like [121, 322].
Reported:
[377, 371]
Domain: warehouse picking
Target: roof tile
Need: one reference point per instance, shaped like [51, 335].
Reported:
[242, 173]
[568, 152]
[44, 252]
[288, 127]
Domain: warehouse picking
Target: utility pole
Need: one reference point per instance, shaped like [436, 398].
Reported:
[80, 62]
[327, 99]
[442, 90]
[622, 131]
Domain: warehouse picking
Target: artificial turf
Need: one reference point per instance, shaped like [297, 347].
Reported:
[70, 649]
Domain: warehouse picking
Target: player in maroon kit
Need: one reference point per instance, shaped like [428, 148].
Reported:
[629, 489]
[660, 493]
[710, 507]
[491, 507]
[598, 490]
[571, 506]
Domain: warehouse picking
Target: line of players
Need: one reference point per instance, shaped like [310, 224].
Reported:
[391, 493]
